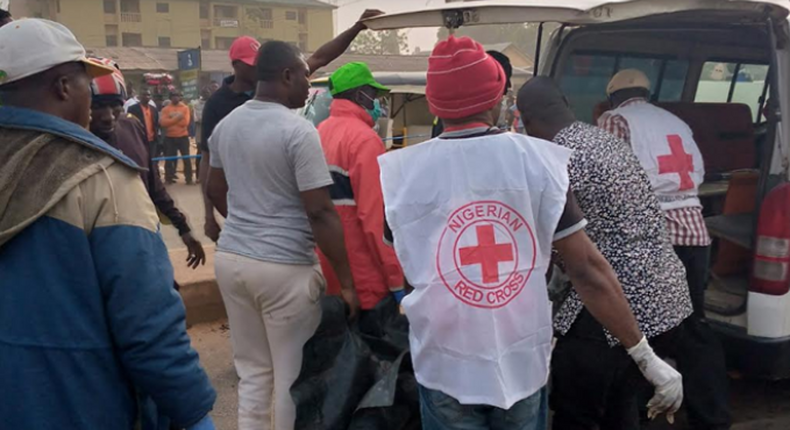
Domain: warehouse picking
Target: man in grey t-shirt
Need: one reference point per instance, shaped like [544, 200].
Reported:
[269, 178]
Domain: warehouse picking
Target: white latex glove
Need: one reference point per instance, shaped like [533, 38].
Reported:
[668, 382]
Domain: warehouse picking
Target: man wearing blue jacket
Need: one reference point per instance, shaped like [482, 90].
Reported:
[87, 309]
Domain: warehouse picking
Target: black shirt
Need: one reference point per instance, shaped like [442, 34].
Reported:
[218, 106]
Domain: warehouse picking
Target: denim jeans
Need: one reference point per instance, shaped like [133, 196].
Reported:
[442, 412]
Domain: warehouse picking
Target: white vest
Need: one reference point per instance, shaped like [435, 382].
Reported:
[666, 149]
[473, 221]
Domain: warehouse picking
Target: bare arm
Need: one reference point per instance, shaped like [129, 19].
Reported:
[335, 47]
[328, 232]
[217, 190]
[598, 287]
[211, 227]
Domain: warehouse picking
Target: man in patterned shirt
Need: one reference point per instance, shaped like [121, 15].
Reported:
[593, 380]
[666, 148]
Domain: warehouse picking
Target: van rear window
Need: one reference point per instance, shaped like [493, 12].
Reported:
[586, 75]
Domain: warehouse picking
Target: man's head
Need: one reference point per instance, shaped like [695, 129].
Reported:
[355, 82]
[464, 83]
[544, 109]
[5, 17]
[283, 74]
[144, 97]
[243, 55]
[205, 93]
[175, 97]
[627, 84]
[108, 93]
[43, 67]
[213, 87]
[503, 61]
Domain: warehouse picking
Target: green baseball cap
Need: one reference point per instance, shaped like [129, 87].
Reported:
[353, 75]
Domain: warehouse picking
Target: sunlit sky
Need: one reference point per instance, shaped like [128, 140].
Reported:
[350, 10]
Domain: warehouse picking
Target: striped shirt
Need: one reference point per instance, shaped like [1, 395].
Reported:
[686, 226]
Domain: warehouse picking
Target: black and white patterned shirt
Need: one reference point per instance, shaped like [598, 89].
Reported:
[626, 223]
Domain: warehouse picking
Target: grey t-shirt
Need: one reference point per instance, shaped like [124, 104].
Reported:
[269, 156]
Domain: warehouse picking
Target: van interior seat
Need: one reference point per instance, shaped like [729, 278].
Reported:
[724, 133]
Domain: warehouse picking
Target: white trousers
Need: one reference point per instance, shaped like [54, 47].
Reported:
[273, 309]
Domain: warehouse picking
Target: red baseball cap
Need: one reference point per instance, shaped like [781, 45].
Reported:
[463, 79]
[244, 49]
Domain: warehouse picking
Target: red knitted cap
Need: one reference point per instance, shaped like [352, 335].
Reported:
[462, 79]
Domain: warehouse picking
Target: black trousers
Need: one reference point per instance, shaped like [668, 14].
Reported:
[594, 386]
[696, 259]
[598, 387]
[174, 146]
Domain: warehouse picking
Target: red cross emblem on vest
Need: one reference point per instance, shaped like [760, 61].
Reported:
[486, 254]
[678, 161]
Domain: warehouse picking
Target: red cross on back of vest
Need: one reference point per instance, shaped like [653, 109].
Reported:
[678, 161]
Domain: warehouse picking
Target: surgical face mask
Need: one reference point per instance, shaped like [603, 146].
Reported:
[374, 113]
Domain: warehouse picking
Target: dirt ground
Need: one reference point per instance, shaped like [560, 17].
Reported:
[756, 405]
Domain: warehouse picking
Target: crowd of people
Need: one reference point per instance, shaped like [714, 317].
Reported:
[464, 232]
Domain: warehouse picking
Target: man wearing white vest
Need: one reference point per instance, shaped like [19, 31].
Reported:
[666, 149]
[476, 244]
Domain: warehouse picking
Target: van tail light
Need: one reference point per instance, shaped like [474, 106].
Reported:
[771, 272]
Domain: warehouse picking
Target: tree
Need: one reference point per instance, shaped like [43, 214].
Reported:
[387, 42]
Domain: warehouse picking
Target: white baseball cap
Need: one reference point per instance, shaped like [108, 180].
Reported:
[625, 79]
[31, 46]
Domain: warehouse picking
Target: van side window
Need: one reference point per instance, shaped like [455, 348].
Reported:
[723, 82]
[586, 75]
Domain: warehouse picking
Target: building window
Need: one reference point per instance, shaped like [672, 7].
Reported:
[164, 42]
[290, 15]
[221, 11]
[130, 6]
[223, 42]
[132, 39]
[109, 6]
[226, 16]
[303, 42]
[302, 17]
[111, 35]
[204, 9]
[163, 8]
[205, 39]
[262, 15]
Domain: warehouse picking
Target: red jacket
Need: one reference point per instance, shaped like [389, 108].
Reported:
[352, 147]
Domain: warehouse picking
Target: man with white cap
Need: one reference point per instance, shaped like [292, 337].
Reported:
[666, 149]
[88, 311]
[476, 245]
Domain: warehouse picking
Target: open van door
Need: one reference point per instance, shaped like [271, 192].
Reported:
[455, 13]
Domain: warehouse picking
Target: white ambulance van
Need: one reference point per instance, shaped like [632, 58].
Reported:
[723, 66]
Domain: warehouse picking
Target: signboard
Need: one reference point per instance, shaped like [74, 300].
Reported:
[189, 59]
[189, 66]
[189, 84]
[229, 23]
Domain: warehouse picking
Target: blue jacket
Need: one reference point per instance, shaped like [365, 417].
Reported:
[88, 314]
